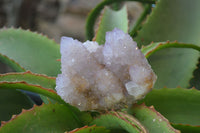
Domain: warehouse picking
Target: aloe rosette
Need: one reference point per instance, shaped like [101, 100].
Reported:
[170, 45]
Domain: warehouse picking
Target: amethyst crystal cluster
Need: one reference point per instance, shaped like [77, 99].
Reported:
[99, 77]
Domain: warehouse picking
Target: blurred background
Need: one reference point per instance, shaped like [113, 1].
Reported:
[54, 18]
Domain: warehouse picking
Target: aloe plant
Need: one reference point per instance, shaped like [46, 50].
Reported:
[168, 37]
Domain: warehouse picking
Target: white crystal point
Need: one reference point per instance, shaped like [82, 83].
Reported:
[95, 50]
[134, 89]
[103, 77]
[84, 82]
[126, 61]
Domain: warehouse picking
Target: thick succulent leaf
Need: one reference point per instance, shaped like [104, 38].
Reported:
[85, 117]
[174, 68]
[12, 63]
[96, 11]
[109, 20]
[31, 78]
[32, 88]
[137, 25]
[177, 20]
[12, 102]
[119, 122]
[56, 118]
[187, 128]
[154, 47]
[30, 50]
[179, 106]
[166, 23]
[153, 121]
[90, 129]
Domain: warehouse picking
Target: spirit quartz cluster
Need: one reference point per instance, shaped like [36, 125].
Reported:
[99, 77]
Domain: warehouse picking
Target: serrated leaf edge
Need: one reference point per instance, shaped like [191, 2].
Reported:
[101, 17]
[77, 129]
[184, 124]
[3, 123]
[99, 21]
[12, 61]
[28, 30]
[27, 72]
[178, 87]
[147, 17]
[130, 120]
[36, 89]
[162, 118]
[168, 44]
[25, 83]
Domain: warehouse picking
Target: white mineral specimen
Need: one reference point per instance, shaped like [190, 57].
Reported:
[103, 77]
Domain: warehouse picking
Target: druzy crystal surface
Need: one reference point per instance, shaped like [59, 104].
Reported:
[99, 77]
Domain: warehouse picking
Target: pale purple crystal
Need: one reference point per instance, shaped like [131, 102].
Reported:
[103, 77]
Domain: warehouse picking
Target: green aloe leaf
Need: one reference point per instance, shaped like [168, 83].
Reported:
[85, 117]
[15, 66]
[96, 11]
[157, 46]
[56, 118]
[154, 47]
[31, 51]
[32, 88]
[133, 30]
[12, 102]
[187, 128]
[90, 129]
[177, 20]
[109, 20]
[31, 78]
[153, 121]
[119, 122]
[179, 106]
